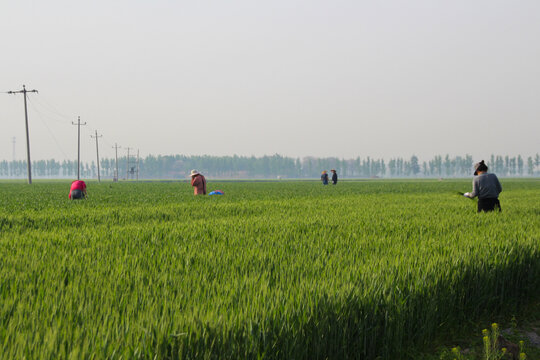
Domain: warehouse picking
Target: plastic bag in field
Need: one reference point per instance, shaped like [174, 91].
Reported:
[217, 192]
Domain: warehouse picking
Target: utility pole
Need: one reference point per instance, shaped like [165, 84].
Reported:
[78, 146]
[97, 153]
[127, 166]
[29, 164]
[137, 164]
[14, 139]
[115, 147]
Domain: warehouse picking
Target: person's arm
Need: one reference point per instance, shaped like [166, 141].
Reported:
[475, 189]
[474, 192]
[196, 181]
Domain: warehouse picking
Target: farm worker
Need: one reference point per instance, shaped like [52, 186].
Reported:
[198, 182]
[334, 177]
[487, 187]
[78, 190]
[324, 178]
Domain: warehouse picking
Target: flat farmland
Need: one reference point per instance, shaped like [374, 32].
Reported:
[270, 270]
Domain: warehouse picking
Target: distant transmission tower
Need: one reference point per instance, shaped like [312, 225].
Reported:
[14, 139]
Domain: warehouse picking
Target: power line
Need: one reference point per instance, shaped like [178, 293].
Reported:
[49, 107]
[29, 165]
[40, 117]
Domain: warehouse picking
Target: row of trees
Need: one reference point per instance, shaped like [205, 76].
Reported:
[275, 166]
[47, 169]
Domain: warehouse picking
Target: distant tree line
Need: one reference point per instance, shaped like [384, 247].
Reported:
[274, 166]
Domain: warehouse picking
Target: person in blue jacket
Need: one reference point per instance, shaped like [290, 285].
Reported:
[324, 177]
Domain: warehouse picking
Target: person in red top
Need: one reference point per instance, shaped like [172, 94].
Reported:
[198, 182]
[78, 190]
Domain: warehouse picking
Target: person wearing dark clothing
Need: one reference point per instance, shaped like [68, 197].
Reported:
[77, 190]
[487, 187]
[324, 178]
[334, 177]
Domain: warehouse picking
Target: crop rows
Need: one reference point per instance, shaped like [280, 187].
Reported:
[269, 270]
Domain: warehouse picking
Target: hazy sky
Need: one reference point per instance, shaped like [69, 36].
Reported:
[322, 78]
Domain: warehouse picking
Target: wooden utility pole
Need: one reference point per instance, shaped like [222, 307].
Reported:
[137, 164]
[78, 123]
[97, 153]
[127, 166]
[115, 147]
[29, 163]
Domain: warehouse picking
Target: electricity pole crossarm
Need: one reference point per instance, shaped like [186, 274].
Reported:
[29, 164]
[23, 91]
[97, 153]
[78, 123]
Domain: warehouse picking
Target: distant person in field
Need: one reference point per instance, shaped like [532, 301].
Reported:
[334, 177]
[487, 187]
[198, 182]
[324, 177]
[78, 190]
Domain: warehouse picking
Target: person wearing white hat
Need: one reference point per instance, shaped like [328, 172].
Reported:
[198, 181]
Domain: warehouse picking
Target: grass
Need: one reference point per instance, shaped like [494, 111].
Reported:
[270, 270]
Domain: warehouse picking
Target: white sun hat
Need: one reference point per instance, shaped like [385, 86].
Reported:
[194, 172]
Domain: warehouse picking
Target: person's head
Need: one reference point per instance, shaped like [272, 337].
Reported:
[333, 170]
[194, 173]
[480, 168]
[324, 172]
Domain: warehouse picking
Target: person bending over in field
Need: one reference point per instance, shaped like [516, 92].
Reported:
[78, 190]
[198, 182]
[487, 187]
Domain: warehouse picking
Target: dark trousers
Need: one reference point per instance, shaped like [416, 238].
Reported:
[77, 194]
[488, 205]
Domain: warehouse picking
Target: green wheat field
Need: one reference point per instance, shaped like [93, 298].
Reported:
[271, 270]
